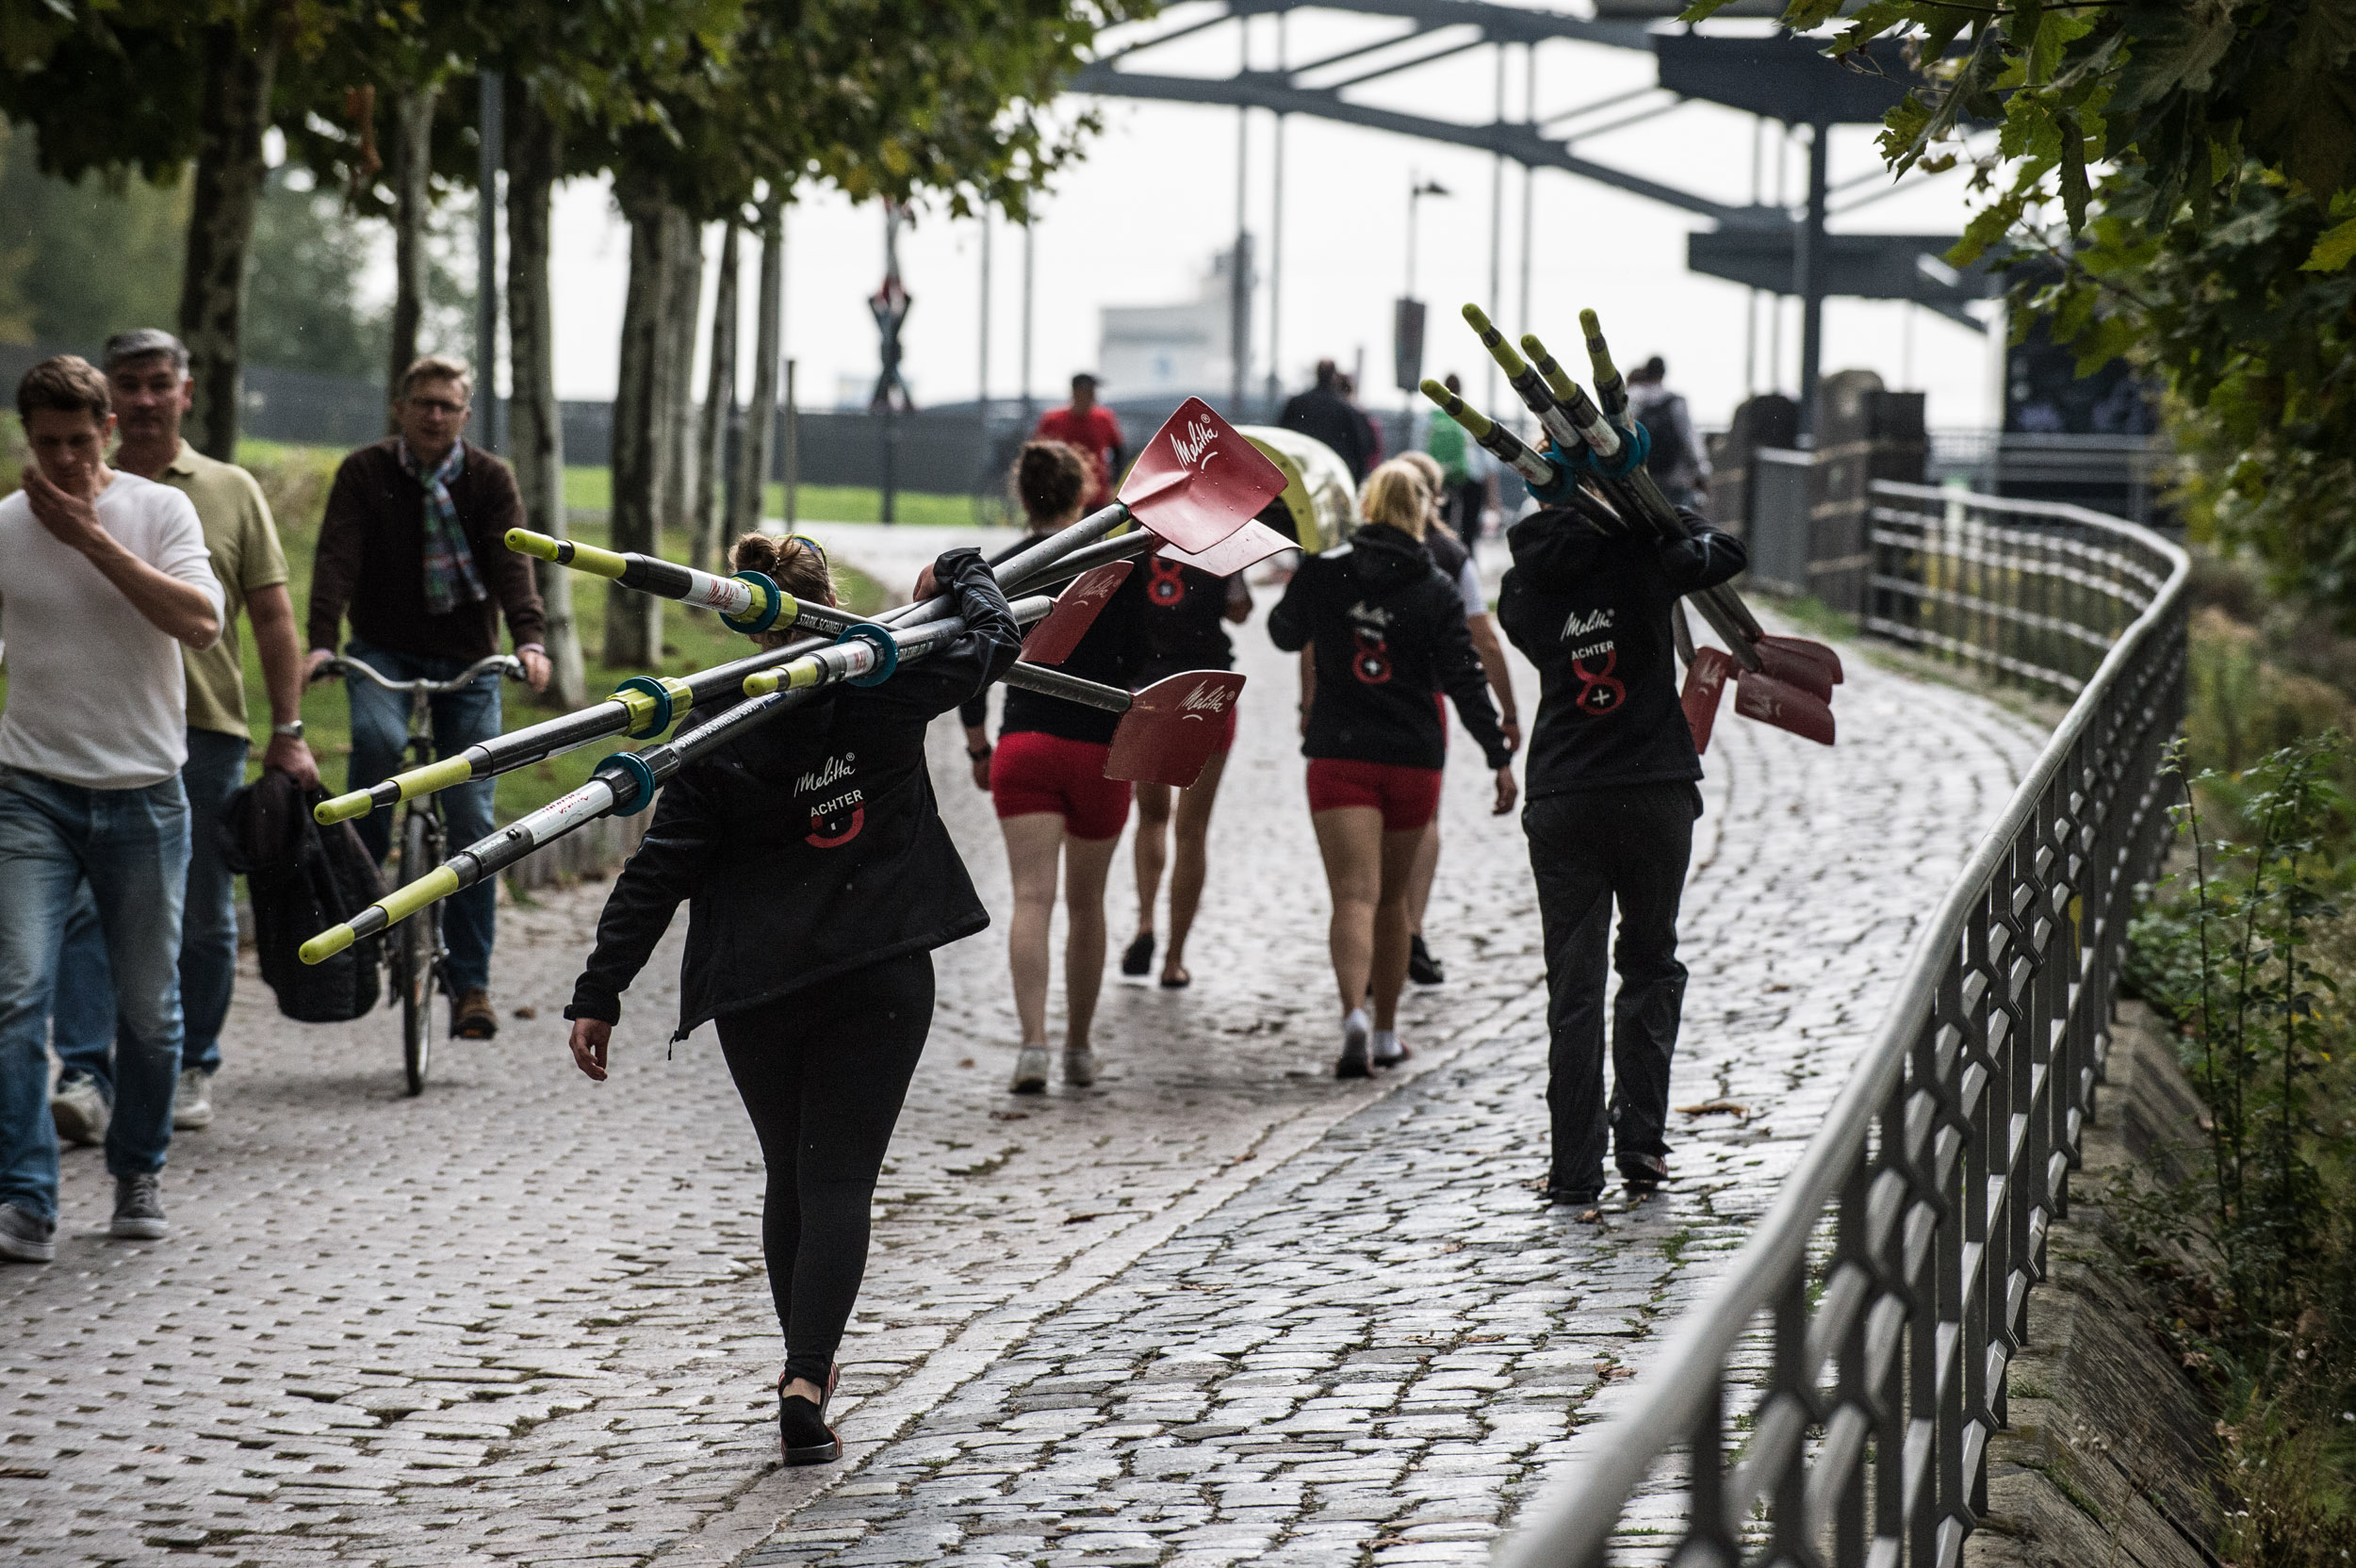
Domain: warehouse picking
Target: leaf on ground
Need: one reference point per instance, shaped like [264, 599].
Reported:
[1716, 1107]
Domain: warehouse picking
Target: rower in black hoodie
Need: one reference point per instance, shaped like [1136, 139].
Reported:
[1388, 632]
[1612, 777]
[818, 879]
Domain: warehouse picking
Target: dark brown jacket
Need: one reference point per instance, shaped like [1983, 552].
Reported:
[371, 560]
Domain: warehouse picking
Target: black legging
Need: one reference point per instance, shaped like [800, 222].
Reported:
[824, 1071]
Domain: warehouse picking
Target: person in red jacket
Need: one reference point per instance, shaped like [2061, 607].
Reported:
[1088, 426]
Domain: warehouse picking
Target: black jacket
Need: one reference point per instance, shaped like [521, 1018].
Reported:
[1325, 415]
[1186, 620]
[1389, 632]
[1592, 611]
[1114, 652]
[811, 845]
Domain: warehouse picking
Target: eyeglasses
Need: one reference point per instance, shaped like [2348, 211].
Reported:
[437, 405]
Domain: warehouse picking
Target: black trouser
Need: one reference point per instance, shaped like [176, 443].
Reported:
[1465, 497]
[1587, 851]
[824, 1071]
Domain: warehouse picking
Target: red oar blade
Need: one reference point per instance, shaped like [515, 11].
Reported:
[1793, 669]
[1173, 725]
[1198, 481]
[1761, 696]
[1816, 653]
[1246, 548]
[1705, 684]
[1052, 640]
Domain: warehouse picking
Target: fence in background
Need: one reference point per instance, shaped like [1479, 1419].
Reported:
[1888, 1286]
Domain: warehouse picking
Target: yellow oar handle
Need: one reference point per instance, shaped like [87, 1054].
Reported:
[1494, 340]
[433, 776]
[1476, 424]
[391, 910]
[567, 553]
[1611, 390]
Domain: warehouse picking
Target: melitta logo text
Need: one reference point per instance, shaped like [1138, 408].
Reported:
[1209, 698]
[1372, 614]
[818, 778]
[1579, 625]
[1196, 443]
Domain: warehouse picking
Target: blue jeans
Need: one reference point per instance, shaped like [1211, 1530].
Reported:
[380, 735]
[83, 1026]
[133, 847]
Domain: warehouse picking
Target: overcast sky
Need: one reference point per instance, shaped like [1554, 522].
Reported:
[1138, 220]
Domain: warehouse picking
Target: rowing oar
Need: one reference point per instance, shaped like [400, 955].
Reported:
[1196, 483]
[626, 782]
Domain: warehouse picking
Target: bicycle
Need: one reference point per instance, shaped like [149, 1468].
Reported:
[415, 961]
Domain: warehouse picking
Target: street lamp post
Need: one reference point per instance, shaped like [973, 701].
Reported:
[1407, 320]
[1417, 188]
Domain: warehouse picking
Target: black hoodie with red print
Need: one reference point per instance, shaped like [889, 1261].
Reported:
[812, 845]
[1389, 632]
[1592, 611]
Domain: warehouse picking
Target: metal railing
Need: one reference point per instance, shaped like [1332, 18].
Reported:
[1889, 1277]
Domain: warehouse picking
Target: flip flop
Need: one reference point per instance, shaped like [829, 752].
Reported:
[1138, 960]
[1180, 984]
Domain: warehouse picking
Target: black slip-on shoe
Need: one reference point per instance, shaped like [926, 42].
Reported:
[1138, 962]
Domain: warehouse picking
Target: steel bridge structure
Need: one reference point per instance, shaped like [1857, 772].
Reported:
[1774, 248]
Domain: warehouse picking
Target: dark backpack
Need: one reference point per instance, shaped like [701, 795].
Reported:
[1667, 434]
[303, 879]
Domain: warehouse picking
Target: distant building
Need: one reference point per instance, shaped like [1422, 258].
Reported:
[1180, 348]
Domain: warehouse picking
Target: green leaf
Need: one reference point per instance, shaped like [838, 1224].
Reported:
[2175, 49]
[2302, 112]
[2334, 249]
[2073, 169]
[1804, 16]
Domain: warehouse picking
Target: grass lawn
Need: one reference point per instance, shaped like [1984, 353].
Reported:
[296, 480]
[592, 490]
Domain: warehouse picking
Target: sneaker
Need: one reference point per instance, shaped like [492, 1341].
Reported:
[79, 1108]
[24, 1237]
[1138, 960]
[471, 1016]
[139, 1208]
[1353, 1059]
[1576, 1198]
[1422, 968]
[1079, 1066]
[1389, 1050]
[1030, 1071]
[192, 1101]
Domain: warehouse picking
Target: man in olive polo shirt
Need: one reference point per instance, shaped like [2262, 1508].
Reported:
[147, 372]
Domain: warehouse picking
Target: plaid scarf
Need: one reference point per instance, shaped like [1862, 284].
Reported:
[451, 579]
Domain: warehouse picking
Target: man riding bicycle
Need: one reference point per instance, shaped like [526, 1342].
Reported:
[413, 547]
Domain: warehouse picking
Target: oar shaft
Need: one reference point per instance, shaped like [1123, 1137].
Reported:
[1071, 688]
[1611, 390]
[1501, 443]
[1527, 384]
[749, 598]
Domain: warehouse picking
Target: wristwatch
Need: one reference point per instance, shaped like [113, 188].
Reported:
[292, 729]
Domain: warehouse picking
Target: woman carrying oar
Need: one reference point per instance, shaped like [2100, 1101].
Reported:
[1388, 633]
[1046, 779]
[818, 879]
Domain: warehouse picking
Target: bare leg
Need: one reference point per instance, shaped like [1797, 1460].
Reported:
[1086, 863]
[1191, 862]
[1152, 850]
[1350, 839]
[1419, 876]
[1390, 968]
[1033, 842]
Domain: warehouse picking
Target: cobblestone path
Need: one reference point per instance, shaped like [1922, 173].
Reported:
[1217, 1309]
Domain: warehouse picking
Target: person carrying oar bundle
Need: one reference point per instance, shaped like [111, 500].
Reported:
[818, 879]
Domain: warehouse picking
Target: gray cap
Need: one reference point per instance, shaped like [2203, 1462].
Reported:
[141, 343]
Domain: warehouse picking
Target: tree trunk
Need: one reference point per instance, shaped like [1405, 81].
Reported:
[536, 435]
[675, 493]
[413, 200]
[760, 419]
[719, 401]
[633, 621]
[238, 66]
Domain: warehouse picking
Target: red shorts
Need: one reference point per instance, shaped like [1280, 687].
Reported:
[1031, 772]
[1408, 798]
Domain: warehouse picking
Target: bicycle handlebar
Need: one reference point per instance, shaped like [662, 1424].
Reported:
[507, 665]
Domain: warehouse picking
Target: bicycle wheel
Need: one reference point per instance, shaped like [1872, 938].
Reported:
[419, 944]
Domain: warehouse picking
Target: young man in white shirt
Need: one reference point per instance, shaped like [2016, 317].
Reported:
[108, 580]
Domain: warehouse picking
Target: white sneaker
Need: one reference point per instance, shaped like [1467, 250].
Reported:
[193, 1100]
[79, 1109]
[1079, 1066]
[1030, 1071]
